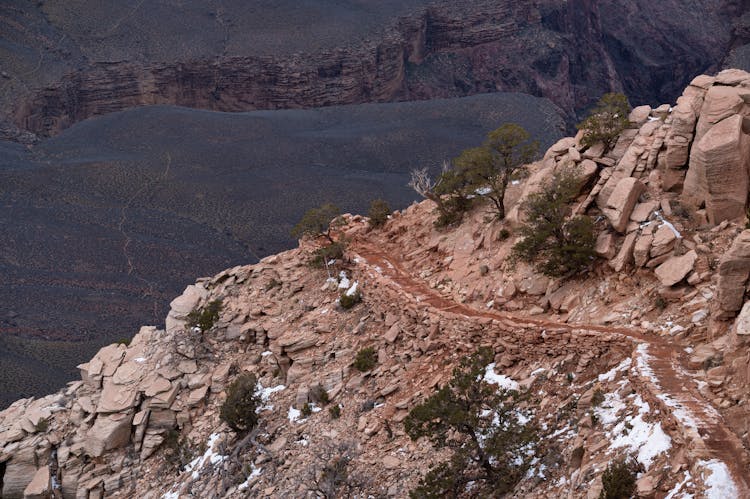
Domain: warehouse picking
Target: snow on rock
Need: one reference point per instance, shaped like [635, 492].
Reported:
[344, 282]
[638, 435]
[612, 373]
[719, 483]
[293, 414]
[500, 380]
[254, 472]
[352, 289]
[209, 457]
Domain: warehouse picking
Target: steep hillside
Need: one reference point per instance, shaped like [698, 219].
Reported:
[644, 355]
[67, 61]
[106, 222]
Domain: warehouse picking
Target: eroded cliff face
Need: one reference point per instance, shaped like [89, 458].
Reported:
[570, 52]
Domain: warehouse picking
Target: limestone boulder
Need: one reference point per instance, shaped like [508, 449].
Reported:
[641, 249]
[560, 147]
[117, 398]
[39, 487]
[605, 245]
[639, 114]
[742, 323]
[625, 255]
[734, 270]
[181, 306]
[109, 432]
[718, 173]
[663, 242]
[19, 472]
[622, 201]
[676, 268]
[720, 103]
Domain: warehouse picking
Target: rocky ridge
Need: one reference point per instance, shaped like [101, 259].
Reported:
[658, 329]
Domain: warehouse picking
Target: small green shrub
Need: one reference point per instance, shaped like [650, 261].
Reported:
[660, 302]
[238, 411]
[558, 245]
[378, 214]
[318, 222]
[204, 318]
[335, 411]
[606, 121]
[333, 251]
[123, 341]
[479, 424]
[347, 301]
[319, 395]
[504, 234]
[306, 410]
[597, 398]
[177, 449]
[618, 480]
[41, 426]
[366, 359]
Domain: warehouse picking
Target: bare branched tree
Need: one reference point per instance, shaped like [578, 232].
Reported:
[424, 185]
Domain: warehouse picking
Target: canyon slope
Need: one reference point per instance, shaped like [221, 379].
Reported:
[66, 61]
[644, 355]
[106, 222]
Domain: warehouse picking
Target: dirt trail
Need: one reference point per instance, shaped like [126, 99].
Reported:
[659, 361]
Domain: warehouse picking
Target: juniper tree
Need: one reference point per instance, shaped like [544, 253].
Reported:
[480, 424]
[606, 121]
[318, 221]
[557, 244]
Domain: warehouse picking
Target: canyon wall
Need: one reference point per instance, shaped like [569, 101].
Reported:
[570, 52]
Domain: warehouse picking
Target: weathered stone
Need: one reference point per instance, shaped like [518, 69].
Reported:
[625, 256]
[19, 472]
[117, 398]
[734, 270]
[181, 306]
[639, 114]
[642, 211]
[676, 268]
[109, 432]
[663, 242]
[720, 103]
[742, 323]
[560, 147]
[621, 202]
[605, 245]
[392, 333]
[641, 249]
[731, 77]
[38, 488]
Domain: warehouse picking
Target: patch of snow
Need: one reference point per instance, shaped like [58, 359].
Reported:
[293, 415]
[500, 380]
[610, 375]
[265, 393]
[343, 281]
[719, 483]
[648, 439]
[254, 472]
[324, 311]
[208, 457]
[353, 289]
[171, 495]
[673, 493]
[266, 353]
[140, 360]
[536, 372]
[607, 411]
[668, 224]
[378, 269]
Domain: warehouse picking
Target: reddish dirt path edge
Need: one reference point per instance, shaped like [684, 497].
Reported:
[670, 379]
